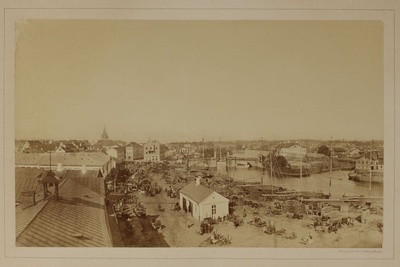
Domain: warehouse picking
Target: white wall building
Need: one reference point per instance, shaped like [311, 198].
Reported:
[367, 161]
[202, 202]
[292, 150]
[152, 151]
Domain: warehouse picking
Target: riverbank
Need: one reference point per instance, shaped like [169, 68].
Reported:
[179, 229]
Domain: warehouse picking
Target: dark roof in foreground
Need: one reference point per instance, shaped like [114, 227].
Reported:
[197, 192]
[90, 179]
[26, 179]
[78, 219]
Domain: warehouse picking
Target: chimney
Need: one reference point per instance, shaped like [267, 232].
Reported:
[59, 167]
[198, 181]
[83, 168]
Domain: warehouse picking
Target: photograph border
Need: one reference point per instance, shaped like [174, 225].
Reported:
[16, 13]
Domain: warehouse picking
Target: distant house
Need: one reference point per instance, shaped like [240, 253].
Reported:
[105, 143]
[291, 150]
[33, 146]
[187, 149]
[133, 151]
[67, 148]
[370, 161]
[118, 153]
[202, 202]
[152, 151]
[339, 152]
[353, 153]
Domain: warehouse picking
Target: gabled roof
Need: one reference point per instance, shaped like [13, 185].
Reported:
[196, 192]
[70, 159]
[106, 142]
[120, 142]
[375, 155]
[287, 145]
[77, 219]
[133, 144]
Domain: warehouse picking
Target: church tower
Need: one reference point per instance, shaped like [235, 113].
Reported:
[104, 135]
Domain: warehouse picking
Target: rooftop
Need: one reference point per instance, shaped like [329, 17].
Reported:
[70, 159]
[197, 192]
[77, 219]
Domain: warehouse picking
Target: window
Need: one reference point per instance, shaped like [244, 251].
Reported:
[213, 209]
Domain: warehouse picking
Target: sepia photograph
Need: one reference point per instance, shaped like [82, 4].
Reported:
[199, 133]
[167, 134]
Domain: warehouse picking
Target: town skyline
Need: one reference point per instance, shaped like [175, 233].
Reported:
[189, 80]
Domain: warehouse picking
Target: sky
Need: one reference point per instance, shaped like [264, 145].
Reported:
[189, 80]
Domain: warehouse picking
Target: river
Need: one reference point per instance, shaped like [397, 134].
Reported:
[319, 182]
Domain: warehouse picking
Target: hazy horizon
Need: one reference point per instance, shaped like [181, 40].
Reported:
[189, 80]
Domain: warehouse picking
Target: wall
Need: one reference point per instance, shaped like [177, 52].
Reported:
[196, 209]
[214, 199]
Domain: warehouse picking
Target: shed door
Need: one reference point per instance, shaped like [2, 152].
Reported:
[184, 204]
[191, 208]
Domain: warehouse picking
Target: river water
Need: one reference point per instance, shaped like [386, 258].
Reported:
[319, 182]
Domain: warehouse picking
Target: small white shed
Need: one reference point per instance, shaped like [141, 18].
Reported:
[202, 202]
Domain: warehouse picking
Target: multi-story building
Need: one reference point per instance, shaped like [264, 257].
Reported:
[152, 151]
[373, 161]
[133, 151]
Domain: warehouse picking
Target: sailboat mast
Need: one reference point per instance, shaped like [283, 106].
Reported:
[370, 170]
[270, 162]
[330, 168]
[301, 171]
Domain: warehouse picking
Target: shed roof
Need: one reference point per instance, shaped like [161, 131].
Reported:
[196, 192]
[76, 220]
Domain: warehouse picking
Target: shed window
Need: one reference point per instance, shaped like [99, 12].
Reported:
[213, 209]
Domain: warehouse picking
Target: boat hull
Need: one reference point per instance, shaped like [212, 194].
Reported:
[364, 176]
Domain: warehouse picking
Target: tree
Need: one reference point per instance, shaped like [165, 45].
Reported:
[323, 150]
[281, 162]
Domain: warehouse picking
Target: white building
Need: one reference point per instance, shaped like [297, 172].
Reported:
[291, 150]
[369, 161]
[202, 202]
[152, 151]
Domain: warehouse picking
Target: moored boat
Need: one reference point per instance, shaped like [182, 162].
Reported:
[365, 176]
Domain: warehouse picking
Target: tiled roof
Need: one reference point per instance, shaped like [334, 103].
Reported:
[196, 192]
[71, 159]
[133, 144]
[375, 155]
[77, 219]
[26, 179]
